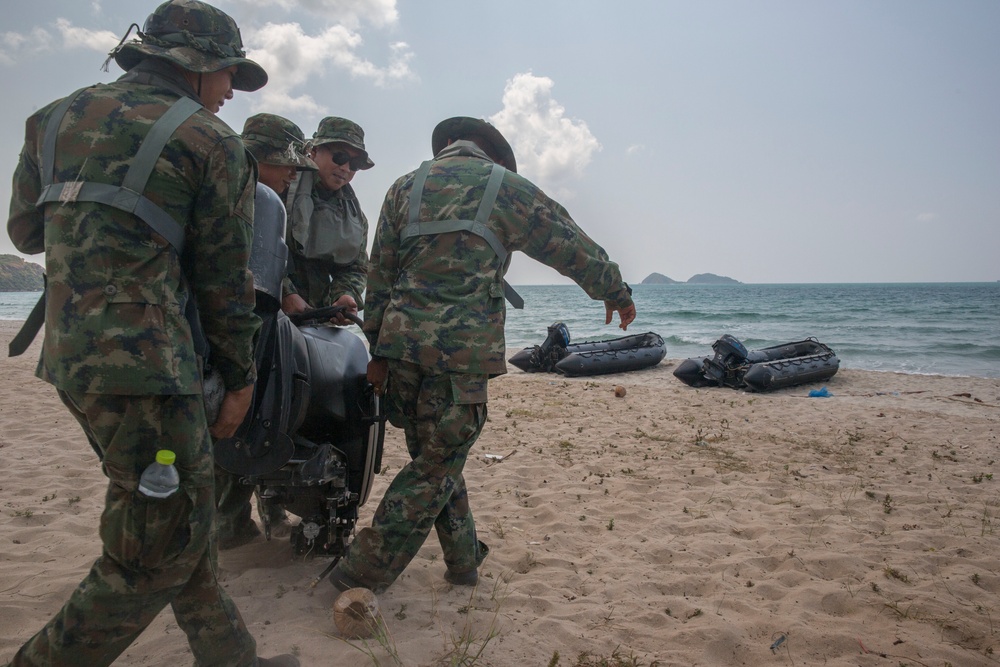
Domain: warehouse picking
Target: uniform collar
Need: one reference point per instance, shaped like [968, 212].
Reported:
[159, 73]
[462, 148]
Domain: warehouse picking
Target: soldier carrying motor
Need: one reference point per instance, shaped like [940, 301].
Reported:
[142, 200]
[278, 145]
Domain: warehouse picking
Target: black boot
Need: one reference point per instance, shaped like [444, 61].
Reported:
[469, 577]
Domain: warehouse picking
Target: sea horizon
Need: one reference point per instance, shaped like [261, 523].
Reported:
[931, 328]
[950, 328]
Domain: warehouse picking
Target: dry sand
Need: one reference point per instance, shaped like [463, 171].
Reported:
[671, 526]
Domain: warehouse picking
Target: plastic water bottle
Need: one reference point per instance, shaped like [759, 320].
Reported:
[160, 479]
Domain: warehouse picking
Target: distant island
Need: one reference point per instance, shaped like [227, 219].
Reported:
[699, 279]
[17, 275]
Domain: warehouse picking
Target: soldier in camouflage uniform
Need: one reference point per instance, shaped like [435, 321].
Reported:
[435, 319]
[277, 144]
[327, 231]
[279, 147]
[142, 199]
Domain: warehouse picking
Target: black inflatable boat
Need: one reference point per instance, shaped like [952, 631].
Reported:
[618, 355]
[768, 368]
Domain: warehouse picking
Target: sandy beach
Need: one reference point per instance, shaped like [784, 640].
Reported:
[671, 526]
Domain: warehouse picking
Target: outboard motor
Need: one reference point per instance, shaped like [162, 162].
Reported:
[312, 439]
[543, 358]
[553, 348]
[724, 367]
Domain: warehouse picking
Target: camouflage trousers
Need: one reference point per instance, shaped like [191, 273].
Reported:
[155, 551]
[233, 516]
[442, 415]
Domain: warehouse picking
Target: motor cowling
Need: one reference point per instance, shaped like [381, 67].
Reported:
[312, 440]
[553, 348]
[269, 254]
[730, 356]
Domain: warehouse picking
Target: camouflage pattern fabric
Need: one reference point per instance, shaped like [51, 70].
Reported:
[341, 130]
[197, 37]
[234, 522]
[119, 349]
[442, 415]
[114, 316]
[272, 139]
[435, 300]
[436, 313]
[156, 551]
[233, 514]
[319, 283]
[321, 280]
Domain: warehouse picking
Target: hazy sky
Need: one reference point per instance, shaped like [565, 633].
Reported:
[769, 141]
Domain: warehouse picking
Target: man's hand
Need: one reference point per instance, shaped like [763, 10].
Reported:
[378, 373]
[231, 413]
[293, 304]
[626, 315]
[351, 307]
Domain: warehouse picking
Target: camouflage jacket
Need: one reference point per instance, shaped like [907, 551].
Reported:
[436, 300]
[114, 320]
[327, 236]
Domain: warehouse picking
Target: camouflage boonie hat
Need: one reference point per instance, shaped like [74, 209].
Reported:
[461, 127]
[196, 36]
[276, 140]
[340, 130]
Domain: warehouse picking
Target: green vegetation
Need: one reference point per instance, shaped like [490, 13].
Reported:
[17, 275]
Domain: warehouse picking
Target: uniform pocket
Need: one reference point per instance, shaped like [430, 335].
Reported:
[468, 389]
[145, 533]
[137, 310]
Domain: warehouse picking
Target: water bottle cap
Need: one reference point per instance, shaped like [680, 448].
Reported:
[165, 457]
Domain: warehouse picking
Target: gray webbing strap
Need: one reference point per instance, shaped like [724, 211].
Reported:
[51, 133]
[417, 193]
[128, 196]
[130, 202]
[490, 194]
[156, 140]
[477, 226]
[445, 226]
[512, 296]
[33, 324]
[30, 328]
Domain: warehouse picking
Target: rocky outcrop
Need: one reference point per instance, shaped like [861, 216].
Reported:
[658, 279]
[712, 279]
[17, 275]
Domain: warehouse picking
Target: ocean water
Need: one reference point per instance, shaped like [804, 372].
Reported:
[17, 305]
[932, 328]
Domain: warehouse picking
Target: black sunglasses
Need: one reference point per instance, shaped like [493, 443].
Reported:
[353, 163]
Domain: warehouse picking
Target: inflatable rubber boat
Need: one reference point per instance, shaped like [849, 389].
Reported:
[619, 355]
[768, 368]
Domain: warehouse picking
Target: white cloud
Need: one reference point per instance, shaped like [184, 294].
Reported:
[293, 59]
[95, 40]
[551, 148]
[15, 44]
[346, 12]
[926, 217]
[635, 148]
